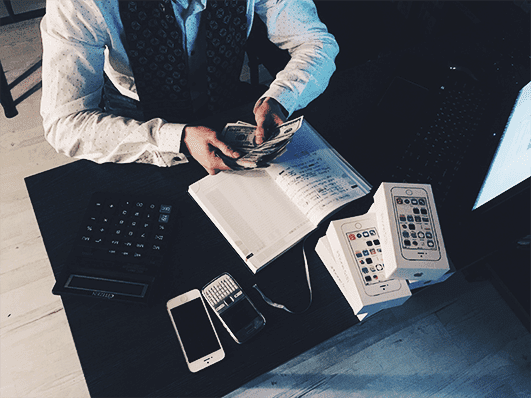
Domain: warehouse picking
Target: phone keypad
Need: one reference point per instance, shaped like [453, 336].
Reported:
[367, 251]
[222, 292]
[416, 229]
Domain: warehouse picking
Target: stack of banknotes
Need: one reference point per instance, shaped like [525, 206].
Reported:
[240, 136]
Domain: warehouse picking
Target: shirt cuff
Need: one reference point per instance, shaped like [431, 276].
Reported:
[169, 140]
[284, 97]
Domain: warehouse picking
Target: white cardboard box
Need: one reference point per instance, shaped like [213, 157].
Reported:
[415, 284]
[323, 250]
[344, 269]
[407, 257]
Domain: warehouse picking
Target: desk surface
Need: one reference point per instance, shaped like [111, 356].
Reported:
[127, 350]
[130, 350]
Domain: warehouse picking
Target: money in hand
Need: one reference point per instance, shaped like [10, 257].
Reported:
[240, 136]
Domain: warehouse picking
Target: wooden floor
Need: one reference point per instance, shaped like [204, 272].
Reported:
[456, 339]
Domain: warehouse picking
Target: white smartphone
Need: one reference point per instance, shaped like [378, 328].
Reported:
[232, 306]
[415, 224]
[195, 330]
[365, 248]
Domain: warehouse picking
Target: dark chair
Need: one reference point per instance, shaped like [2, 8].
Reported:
[10, 12]
[6, 99]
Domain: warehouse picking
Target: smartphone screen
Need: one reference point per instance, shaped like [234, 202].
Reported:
[195, 329]
[240, 315]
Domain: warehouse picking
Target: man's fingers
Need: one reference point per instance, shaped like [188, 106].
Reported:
[259, 137]
[224, 148]
[216, 166]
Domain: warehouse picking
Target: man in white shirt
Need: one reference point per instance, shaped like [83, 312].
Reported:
[82, 39]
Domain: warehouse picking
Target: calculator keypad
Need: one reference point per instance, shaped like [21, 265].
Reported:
[125, 234]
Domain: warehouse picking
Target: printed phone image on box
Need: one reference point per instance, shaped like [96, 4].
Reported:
[412, 243]
[356, 248]
[366, 250]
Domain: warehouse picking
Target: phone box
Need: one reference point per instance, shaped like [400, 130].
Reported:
[415, 284]
[412, 263]
[335, 254]
[323, 250]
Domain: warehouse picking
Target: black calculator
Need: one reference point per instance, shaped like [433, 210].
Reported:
[120, 250]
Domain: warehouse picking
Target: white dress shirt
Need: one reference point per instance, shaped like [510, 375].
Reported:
[81, 38]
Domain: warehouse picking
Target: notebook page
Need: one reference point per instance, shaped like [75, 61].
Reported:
[315, 177]
[252, 213]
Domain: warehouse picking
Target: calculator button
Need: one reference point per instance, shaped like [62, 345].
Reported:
[98, 205]
[165, 209]
[164, 218]
[110, 207]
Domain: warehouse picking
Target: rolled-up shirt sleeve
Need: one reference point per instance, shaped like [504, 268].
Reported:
[295, 26]
[74, 41]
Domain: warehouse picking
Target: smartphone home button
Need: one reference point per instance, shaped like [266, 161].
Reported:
[184, 299]
[358, 225]
[409, 192]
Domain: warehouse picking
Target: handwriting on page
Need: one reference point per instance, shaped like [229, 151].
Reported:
[315, 185]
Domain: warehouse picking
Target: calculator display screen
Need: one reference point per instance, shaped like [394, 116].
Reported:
[103, 285]
[239, 315]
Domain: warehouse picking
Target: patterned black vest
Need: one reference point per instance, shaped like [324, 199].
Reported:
[159, 63]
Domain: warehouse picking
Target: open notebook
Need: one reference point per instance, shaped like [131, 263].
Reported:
[264, 212]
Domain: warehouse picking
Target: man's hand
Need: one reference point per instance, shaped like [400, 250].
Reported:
[268, 114]
[202, 143]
